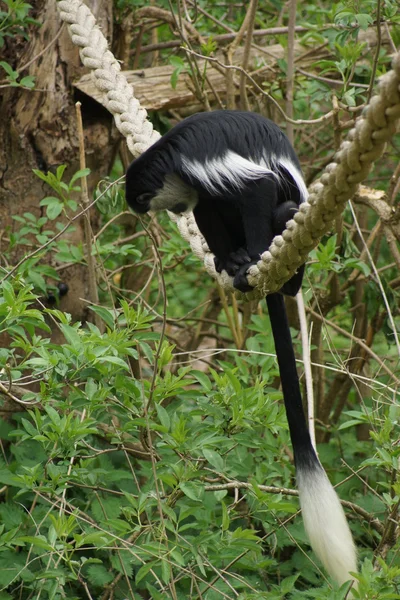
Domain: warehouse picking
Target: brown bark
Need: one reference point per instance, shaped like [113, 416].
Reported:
[38, 131]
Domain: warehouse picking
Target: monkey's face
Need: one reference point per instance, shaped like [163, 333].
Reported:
[142, 202]
[172, 194]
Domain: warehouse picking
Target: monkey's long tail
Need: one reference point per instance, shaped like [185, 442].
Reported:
[323, 515]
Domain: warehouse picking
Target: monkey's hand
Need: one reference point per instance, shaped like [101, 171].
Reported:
[240, 280]
[232, 263]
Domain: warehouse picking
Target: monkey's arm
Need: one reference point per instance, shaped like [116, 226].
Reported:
[263, 218]
[220, 240]
[257, 202]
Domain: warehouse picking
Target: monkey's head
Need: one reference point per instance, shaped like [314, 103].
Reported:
[140, 185]
[152, 184]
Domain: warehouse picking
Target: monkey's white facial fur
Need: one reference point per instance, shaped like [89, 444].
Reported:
[175, 195]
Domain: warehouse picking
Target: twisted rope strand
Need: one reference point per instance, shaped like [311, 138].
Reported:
[352, 163]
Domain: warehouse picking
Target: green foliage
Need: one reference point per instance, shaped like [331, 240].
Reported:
[132, 468]
[63, 201]
[179, 67]
[15, 21]
[13, 77]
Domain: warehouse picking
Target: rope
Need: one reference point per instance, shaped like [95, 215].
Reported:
[352, 163]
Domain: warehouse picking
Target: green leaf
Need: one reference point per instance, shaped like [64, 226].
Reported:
[60, 172]
[203, 380]
[105, 314]
[28, 81]
[163, 416]
[99, 576]
[114, 360]
[364, 20]
[166, 571]
[194, 491]
[155, 595]
[78, 175]
[144, 570]
[8, 68]
[71, 335]
[54, 416]
[54, 210]
[177, 62]
[8, 293]
[38, 540]
[225, 517]
[214, 459]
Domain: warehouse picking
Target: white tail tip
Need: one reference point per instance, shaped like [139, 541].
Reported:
[326, 524]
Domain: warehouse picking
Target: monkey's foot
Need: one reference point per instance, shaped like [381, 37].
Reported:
[232, 263]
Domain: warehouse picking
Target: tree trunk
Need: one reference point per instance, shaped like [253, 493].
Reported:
[38, 131]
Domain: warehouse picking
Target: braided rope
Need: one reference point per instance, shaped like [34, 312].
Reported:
[352, 163]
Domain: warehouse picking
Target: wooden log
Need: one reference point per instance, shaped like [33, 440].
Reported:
[153, 87]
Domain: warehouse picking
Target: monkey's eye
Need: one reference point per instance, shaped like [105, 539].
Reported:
[144, 198]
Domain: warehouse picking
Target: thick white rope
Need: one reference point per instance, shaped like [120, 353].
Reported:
[352, 163]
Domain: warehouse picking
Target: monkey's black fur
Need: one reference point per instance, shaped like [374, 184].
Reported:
[241, 177]
[238, 213]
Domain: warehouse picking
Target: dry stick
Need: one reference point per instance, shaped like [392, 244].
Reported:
[35, 58]
[336, 123]
[391, 42]
[235, 311]
[93, 291]
[154, 40]
[246, 56]
[306, 353]
[138, 48]
[194, 67]
[229, 318]
[290, 70]
[168, 16]
[230, 100]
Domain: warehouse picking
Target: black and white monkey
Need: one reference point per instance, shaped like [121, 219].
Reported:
[241, 177]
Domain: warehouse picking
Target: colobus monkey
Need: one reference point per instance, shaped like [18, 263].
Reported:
[241, 177]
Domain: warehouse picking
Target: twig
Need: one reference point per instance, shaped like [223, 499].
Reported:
[359, 342]
[377, 51]
[379, 282]
[246, 56]
[290, 70]
[194, 68]
[234, 485]
[325, 117]
[55, 38]
[391, 42]
[168, 16]
[93, 291]
[223, 37]
[332, 82]
[228, 315]
[9, 394]
[307, 366]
